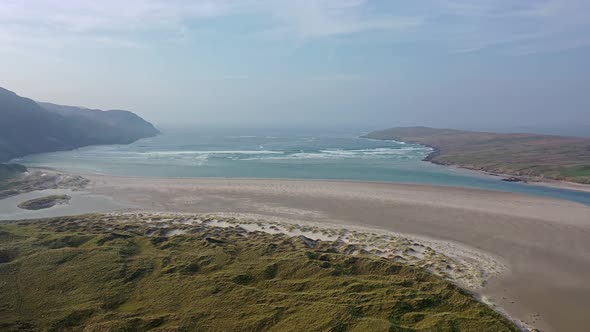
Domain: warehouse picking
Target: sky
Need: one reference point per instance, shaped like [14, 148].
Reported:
[450, 63]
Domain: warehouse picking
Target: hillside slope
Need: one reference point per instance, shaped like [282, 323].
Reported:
[109, 126]
[27, 127]
[527, 155]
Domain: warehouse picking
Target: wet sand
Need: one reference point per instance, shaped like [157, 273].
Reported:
[533, 181]
[545, 243]
[562, 185]
[80, 202]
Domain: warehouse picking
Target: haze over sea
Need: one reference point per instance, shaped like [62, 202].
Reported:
[291, 154]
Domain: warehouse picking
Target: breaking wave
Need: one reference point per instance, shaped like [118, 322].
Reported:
[404, 152]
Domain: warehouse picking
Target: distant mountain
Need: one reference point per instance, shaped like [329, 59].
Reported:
[28, 127]
[115, 126]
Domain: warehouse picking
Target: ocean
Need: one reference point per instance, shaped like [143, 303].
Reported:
[267, 153]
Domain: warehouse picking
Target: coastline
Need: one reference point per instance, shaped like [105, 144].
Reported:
[532, 180]
[471, 268]
[538, 239]
[547, 183]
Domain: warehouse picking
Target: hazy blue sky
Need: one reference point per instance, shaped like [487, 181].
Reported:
[349, 62]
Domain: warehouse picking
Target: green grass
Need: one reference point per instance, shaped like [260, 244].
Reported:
[526, 155]
[579, 171]
[104, 274]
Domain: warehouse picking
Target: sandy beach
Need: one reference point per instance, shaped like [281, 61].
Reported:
[536, 181]
[562, 185]
[543, 243]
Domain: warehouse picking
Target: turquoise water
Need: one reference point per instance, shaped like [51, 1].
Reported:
[278, 154]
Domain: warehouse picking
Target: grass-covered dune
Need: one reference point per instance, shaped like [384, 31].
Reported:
[106, 273]
[528, 155]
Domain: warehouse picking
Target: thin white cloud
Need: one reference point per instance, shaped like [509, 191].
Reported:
[310, 19]
[105, 15]
[520, 27]
[515, 27]
[114, 20]
[59, 24]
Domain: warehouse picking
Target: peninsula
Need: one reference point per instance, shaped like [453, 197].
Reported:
[523, 157]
